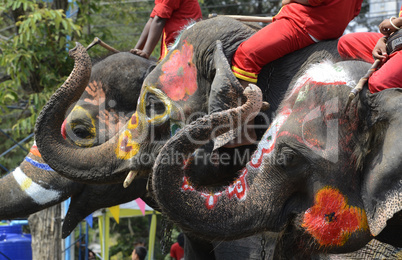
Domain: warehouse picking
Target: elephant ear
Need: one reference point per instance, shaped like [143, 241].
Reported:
[226, 92]
[382, 184]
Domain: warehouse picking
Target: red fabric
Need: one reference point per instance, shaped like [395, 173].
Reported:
[177, 252]
[315, 2]
[178, 14]
[388, 76]
[290, 30]
[259, 49]
[323, 21]
[359, 46]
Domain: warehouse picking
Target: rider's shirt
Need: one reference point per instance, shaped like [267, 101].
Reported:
[178, 14]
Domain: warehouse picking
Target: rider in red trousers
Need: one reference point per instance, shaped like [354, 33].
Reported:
[298, 24]
[369, 46]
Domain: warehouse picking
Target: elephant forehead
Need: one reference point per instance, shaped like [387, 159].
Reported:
[177, 74]
[329, 72]
[93, 94]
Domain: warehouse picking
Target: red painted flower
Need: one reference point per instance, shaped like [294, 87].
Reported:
[331, 221]
[179, 78]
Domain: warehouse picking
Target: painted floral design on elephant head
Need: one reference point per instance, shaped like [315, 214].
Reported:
[331, 221]
[127, 145]
[179, 78]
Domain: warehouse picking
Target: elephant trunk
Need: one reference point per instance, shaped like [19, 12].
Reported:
[210, 215]
[22, 191]
[65, 158]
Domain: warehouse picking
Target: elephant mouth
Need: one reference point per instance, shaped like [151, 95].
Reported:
[136, 174]
[141, 165]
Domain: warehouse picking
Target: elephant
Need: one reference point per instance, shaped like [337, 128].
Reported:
[167, 103]
[34, 185]
[326, 175]
[191, 81]
[105, 105]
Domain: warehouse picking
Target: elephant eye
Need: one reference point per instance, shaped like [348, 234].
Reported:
[285, 158]
[81, 132]
[154, 106]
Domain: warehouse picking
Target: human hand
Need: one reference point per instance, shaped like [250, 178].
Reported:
[380, 49]
[140, 53]
[386, 27]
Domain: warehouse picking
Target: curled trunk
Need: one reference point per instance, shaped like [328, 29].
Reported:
[55, 150]
[232, 207]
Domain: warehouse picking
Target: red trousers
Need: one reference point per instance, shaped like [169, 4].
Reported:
[270, 43]
[359, 46]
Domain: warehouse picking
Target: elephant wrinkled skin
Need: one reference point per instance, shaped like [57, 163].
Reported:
[191, 81]
[107, 102]
[319, 172]
[187, 84]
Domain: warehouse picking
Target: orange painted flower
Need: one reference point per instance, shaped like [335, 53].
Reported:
[331, 221]
[179, 78]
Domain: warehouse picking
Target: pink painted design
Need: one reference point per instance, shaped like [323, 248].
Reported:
[124, 145]
[63, 129]
[331, 221]
[313, 144]
[96, 93]
[296, 89]
[179, 78]
[238, 189]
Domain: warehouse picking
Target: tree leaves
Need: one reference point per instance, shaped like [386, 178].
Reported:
[35, 59]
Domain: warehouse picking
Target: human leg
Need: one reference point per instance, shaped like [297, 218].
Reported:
[388, 76]
[268, 44]
[358, 46]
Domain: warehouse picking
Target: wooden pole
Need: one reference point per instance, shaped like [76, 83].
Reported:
[362, 81]
[101, 43]
[245, 18]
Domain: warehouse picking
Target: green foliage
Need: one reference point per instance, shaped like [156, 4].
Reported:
[132, 230]
[119, 24]
[35, 60]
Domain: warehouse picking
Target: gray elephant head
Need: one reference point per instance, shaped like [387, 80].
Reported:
[107, 102]
[329, 179]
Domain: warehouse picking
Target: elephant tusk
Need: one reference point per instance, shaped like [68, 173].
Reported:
[129, 179]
